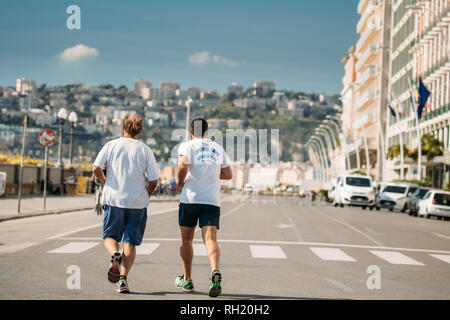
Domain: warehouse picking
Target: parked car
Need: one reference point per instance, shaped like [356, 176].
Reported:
[413, 202]
[354, 190]
[435, 203]
[395, 196]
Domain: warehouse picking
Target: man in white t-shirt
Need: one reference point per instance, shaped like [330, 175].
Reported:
[201, 164]
[132, 175]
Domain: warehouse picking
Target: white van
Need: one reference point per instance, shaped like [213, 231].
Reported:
[354, 190]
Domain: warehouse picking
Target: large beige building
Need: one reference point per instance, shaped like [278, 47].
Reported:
[366, 88]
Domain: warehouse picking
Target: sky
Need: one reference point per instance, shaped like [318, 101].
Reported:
[208, 44]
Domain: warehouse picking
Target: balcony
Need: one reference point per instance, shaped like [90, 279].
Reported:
[367, 97]
[361, 5]
[370, 30]
[372, 4]
[365, 56]
[371, 72]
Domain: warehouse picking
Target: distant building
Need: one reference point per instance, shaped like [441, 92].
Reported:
[216, 123]
[168, 89]
[236, 124]
[142, 88]
[28, 102]
[235, 88]
[263, 88]
[254, 102]
[24, 86]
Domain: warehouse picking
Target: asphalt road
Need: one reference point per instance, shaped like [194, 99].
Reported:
[272, 248]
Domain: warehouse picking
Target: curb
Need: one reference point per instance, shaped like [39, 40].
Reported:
[45, 213]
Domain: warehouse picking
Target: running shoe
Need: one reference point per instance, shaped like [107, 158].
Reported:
[122, 286]
[186, 285]
[114, 269]
[215, 287]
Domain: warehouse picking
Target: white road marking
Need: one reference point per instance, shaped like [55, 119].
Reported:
[332, 254]
[269, 252]
[324, 244]
[200, 250]
[74, 231]
[396, 258]
[297, 233]
[100, 224]
[441, 236]
[340, 285]
[350, 226]
[284, 226]
[442, 257]
[10, 248]
[146, 248]
[74, 247]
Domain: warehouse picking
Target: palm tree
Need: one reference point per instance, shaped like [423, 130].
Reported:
[394, 151]
[431, 148]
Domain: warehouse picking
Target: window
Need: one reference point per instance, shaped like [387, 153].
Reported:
[411, 191]
[442, 199]
[357, 182]
[395, 189]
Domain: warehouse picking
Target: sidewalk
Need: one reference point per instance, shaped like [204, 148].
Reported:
[34, 205]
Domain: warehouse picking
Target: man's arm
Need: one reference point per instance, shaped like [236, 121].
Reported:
[182, 171]
[98, 172]
[151, 186]
[226, 173]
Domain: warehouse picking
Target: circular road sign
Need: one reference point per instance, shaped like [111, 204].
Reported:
[47, 137]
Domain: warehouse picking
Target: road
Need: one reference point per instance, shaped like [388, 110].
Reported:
[272, 248]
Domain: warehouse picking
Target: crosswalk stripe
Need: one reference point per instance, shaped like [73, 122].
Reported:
[442, 257]
[332, 254]
[394, 257]
[199, 249]
[270, 252]
[74, 247]
[146, 248]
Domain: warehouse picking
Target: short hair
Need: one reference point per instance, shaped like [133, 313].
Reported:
[132, 125]
[195, 127]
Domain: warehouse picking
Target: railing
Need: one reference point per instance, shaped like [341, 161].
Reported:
[370, 28]
[366, 13]
[370, 71]
[364, 56]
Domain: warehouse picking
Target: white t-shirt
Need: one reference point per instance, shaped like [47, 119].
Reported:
[127, 160]
[202, 182]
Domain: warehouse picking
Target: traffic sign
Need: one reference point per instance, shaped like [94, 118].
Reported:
[47, 137]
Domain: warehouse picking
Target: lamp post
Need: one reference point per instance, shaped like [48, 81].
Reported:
[330, 132]
[316, 150]
[337, 124]
[62, 116]
[323, 152]
[73, 122]
[188, 114]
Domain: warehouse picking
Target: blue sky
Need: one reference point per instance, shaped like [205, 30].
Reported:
[297, 44]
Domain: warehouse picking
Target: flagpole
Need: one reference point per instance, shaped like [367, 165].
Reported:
[402, 152]
[419, 137]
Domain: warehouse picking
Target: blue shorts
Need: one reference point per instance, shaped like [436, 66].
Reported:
[126, 223]
[205, 214]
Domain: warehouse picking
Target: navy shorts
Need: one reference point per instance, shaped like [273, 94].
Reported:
[126, 223]
[205, 214]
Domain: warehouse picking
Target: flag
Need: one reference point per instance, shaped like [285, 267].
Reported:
[423, 94]
[400, 111]
[392, 110]
[350, 135]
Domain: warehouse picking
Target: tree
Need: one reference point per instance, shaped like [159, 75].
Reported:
[394, 151]
[431, 148]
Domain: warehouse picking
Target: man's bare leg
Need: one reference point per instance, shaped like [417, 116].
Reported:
[209, 234]
[129, 254]
[111, 246]
[186, 250]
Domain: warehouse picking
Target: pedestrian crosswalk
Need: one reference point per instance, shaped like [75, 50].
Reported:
[323, 254]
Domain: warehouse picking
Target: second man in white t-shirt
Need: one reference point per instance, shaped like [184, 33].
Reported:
[202, 163]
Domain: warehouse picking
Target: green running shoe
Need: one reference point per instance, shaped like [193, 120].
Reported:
[215, 287]
[186, 285]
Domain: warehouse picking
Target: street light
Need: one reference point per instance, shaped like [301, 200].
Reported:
[316, 153]
[73, 122]
[328, 129]
[323, 150]
[62, 116]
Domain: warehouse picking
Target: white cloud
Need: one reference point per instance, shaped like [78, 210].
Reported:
[205, 57]
[78, 52]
